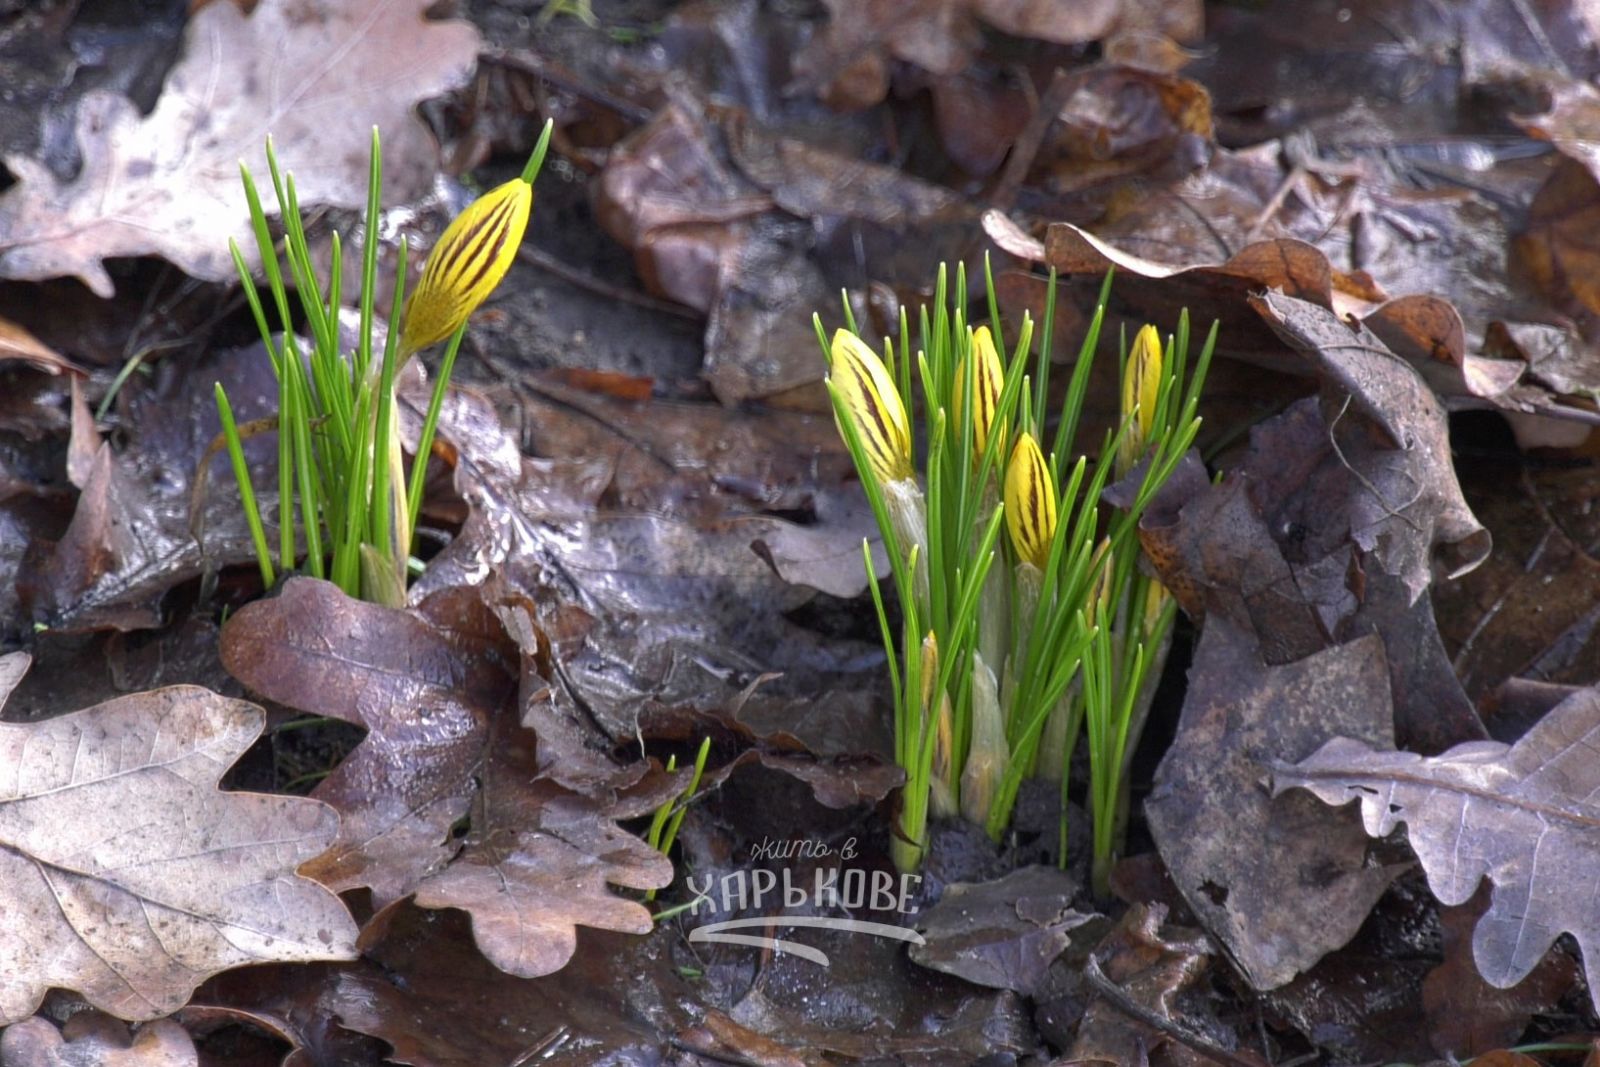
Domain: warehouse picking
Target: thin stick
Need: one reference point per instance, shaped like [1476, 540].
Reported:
[551, 265]
[1027, 145]
[1118, 998]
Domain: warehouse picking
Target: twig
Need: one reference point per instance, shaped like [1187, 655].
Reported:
[543, 1047]
[528, 63]
[1118, 998]
[594, 285]
[1026, 148]
[1392, 512]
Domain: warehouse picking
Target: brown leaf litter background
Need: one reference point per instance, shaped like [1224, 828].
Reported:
[641, 531]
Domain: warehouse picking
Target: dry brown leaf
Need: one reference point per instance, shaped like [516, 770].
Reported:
[538, 860]
[1276, 882]
[1003, 934]
[1467, 1016]
[128, 876]
[425, 694]
[17, 343]
[1523, 816]
[848, 61]
[168, 184]
[90, 1039]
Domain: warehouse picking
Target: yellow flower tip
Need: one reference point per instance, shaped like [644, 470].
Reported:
[989, 379]
[466, 264]
[1155, 602]
[1141, 387]
[930, 668]
[863, 383]
[1030, 499]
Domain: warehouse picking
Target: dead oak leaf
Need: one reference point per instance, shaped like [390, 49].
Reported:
[168, 184]
[538, 860]
[128, 876]
[17, 344]
[424, 692]
[91, 1039]
[1523, 816]
[1277, 883]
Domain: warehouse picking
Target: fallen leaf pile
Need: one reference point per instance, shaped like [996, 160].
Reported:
[129, 876]
[167, 183]
[1363, 821]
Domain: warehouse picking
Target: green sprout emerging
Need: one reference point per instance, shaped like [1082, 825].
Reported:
[1009, 646]
[669, 816]
[341, 474]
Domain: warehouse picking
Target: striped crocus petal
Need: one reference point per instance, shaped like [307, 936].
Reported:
[1141, 386]
[468, 261]
[863, 383]
[1030, 502]
[988, 380]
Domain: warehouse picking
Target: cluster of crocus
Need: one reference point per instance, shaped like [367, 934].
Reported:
[1009, 645]
[341, 473]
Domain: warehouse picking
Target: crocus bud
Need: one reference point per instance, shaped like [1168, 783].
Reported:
[988, 380]
[938, 716]
[862, 382]
[989, 753]
[1155, 603]
[1030, 502]
[469, 260]
[1141, 388]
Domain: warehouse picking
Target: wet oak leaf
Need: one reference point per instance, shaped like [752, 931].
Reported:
[129, 877]
[848, 60]
[1467, 1016]
[1153, 964]
[425, 693]
[1272, 548]
[437, 1002]
[624, 565]
[132, 538]
[1003, 934]
[1522, 816]
[1407, 510]
[1274, 881]
[168, 184]
[538, 861]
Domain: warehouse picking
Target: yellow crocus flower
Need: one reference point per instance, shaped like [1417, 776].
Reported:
[988, 379]
[862, 382]
[1141, 388]
[1030, 502]
[468, 261]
